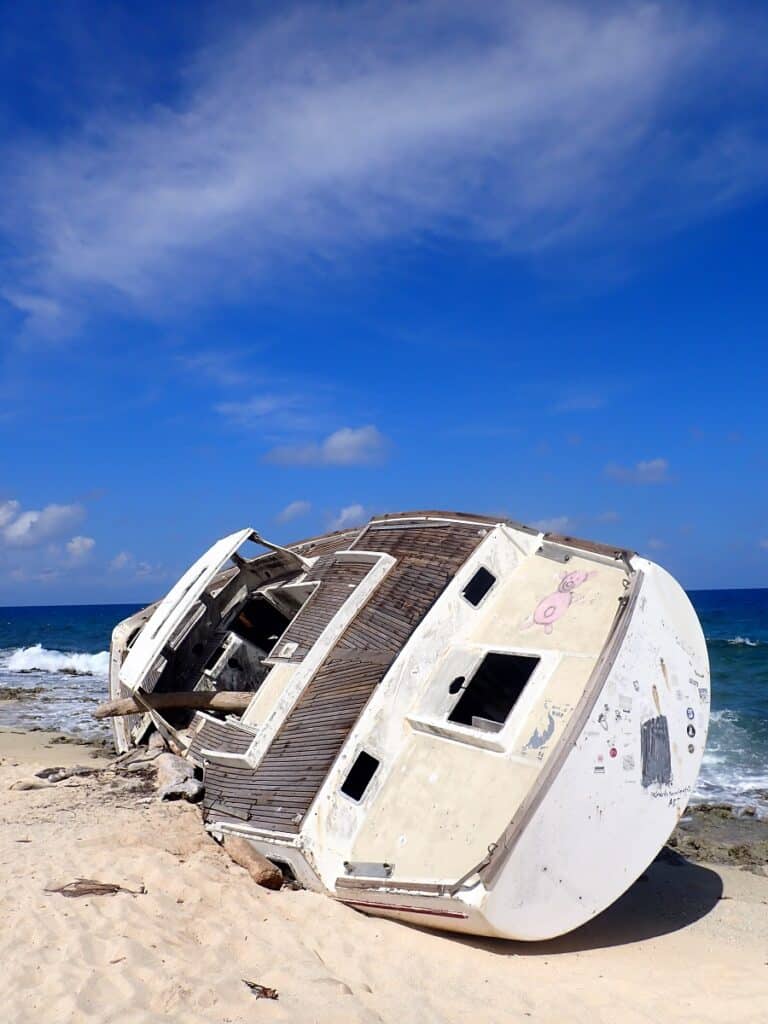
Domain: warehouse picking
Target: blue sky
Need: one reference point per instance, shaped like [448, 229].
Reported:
[290, 265]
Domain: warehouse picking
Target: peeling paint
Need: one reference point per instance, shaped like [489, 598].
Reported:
[538, 739]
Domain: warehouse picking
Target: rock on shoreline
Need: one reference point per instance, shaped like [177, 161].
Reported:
[715, 834]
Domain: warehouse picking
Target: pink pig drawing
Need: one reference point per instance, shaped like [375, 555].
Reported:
[554, 606]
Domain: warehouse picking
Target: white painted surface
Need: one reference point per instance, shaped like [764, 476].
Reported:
[170, 613]
[599, 825]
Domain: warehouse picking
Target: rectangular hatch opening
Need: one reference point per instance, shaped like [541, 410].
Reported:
[488, 698]
[260, 623]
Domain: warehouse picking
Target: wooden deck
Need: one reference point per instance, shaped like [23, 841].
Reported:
[214, 734]
[336, 579]
[277, 794]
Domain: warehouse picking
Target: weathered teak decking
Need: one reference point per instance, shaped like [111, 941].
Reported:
[210, 733]
[336, 578]
[277, 794]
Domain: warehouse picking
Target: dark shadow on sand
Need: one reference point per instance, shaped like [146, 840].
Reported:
[670, 895]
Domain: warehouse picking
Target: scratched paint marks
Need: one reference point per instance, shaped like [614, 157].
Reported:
[540, 737]
[655, 752]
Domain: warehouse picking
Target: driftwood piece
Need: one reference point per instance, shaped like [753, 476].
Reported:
[176, 778]
[90, 887]
[193, 700]
[31, 784]
[261, 870]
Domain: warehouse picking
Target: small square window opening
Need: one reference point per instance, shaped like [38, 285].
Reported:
[479, 586]
[360, 774]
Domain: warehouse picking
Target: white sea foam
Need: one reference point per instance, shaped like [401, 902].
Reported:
[743, 641]
[38, 659]
[734, 769]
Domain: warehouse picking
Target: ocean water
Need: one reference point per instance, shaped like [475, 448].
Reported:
[59, 655]
[735, 766]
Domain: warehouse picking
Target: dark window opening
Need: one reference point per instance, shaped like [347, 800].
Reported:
[217, 653]
[260, 623]
[360, 774]
[493, 691]
[479, 586]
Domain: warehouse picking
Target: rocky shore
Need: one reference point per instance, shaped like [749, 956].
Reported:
[716, 834]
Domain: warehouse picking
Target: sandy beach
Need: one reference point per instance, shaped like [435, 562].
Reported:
[689, 942]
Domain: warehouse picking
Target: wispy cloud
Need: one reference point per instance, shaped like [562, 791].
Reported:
[8, 511]
[651, 471]
[21, 574]
[350, 446]
[763, 544]
[294, 510]
[272, 413]
[219, 368]
[297, 136]
[125, 561]
[350, 515]
[557, 524]
[122, 560]
[656, 543]
[79, 548]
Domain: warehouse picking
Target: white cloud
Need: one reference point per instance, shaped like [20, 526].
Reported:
[33, 527]
[350, 515]
[80, 547]
[656, 543]
[609, 516]
[273, 409]
[22, 575]
[8, 511]
[557, 524]
[764, 544]
[122, 560]
[651, 471]
[317, 129]
[350, 446]
[150, 571]
[294, 510]
[217, 367]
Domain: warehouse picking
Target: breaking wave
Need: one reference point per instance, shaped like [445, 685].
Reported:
[734, 641]
[38, 659]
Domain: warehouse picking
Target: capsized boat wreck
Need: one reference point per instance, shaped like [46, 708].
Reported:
[449, 719]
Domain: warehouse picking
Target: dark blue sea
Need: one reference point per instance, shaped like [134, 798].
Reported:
[61, 655]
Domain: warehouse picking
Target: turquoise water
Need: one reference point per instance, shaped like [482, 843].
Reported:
[62, 653]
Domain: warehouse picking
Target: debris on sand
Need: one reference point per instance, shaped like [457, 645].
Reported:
[261, 991]
[90, 887]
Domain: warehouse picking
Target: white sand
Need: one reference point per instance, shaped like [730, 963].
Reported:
[671, 950]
